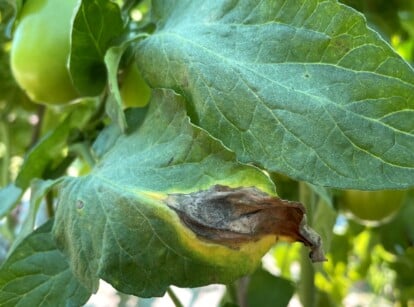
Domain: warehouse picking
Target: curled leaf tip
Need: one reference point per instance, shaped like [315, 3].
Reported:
[313, 240]
[233, 216]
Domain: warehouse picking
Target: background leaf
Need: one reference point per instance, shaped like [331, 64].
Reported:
[114, 106]
[114, 225]
[299, 87]
[37, 274]
[49, 151]
[38, 190]
[267, 290]
[9, 196]
[96, 25]
[49, 148]
[8, 13]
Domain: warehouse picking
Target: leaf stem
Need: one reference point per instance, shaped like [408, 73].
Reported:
[232, 292]
[38, 127]
[83, 150]
[306, 286]
[174, 298]
[50, 210]
[4, 136]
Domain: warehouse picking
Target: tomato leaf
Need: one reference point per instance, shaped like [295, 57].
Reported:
[304, 88]
[37, 274]
[267, 290]
[231, 216]
[38, 190]
[96, 24]
[9, 196]
[116, 223]
[50, 148]
[114, 104]
[323, 221]
[8, 12]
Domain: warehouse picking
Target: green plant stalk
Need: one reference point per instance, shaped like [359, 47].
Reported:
[38, 127]
[232, 292]
[174, 298]
[4, 135]
[50, 210]
[306, 286]
[83, 150]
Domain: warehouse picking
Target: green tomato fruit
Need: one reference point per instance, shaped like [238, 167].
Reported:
[371, 208]
[134, 90]
[40, 51]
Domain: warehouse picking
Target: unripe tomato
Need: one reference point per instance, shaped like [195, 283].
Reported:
[40, 50]
[134, 90]
[371, 208]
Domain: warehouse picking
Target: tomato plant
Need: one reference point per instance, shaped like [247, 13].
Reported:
[206, 135]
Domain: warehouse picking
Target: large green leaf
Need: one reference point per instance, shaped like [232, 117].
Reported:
[37, 274]
[96, 24]
[115, 224]
[301, 87]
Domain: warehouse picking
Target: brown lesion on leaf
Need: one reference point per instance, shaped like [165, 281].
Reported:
[232, 216]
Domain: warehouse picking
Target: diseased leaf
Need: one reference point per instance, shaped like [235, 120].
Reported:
[321, 208]
[37, 274]
[114, 223]
[324, 219]
[233, 216]
[95, 25]
[299, 87]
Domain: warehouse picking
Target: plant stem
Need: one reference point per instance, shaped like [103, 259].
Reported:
[4, 136]
[83, 150]
[174, 298]
[232, 292]
[306, 286]
[50, 210]
[38, 127]
[242, 285]
[308, 199]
